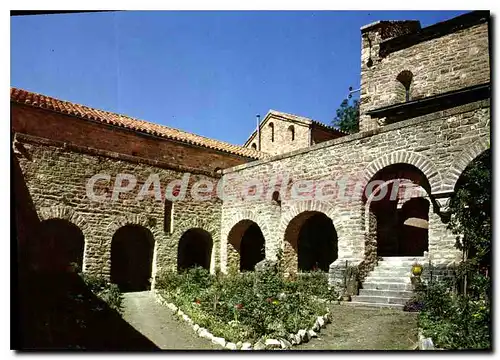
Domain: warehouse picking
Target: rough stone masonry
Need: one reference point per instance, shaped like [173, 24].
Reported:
[424, 116]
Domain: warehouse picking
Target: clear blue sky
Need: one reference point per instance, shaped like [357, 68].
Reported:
[208, 73]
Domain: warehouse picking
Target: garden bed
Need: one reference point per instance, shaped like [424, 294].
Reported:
[248, 310]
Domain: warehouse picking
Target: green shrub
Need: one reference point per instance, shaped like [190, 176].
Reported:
[112, 296]
[246, 306]
[109, 293]
[454, 321]
[315, 283]
[168, 280]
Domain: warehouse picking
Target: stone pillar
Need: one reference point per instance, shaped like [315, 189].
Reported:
[442, 242]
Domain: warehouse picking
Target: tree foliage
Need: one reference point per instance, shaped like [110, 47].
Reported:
[461, 319]
[470, 209]
[347, 116]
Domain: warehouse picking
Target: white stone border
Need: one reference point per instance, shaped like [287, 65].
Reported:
[302, 336]
[425, 343]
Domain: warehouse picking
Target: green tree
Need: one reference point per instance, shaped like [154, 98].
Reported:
[347, 118]
[462, 319]
[470, 209]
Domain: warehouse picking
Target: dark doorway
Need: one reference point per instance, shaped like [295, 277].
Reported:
[386, 213]
[317, 243]
[414, 227]
[195, 249]
[252, 248]
[63, 243]
[131, 258]
[404, 231]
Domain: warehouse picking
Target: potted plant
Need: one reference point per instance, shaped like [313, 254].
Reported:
[416, 269]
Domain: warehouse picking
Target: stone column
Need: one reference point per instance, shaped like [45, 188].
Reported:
[442, 250]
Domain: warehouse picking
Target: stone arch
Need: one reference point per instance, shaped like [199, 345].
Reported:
[135, 219]
[307, 205]
[208, 225]
[132, 253]
[62, 246]
[421, 162]
[293, 212]
[467, 155]
[69, 214]
[373, 213]
[232, 250]
[195, 248]
[142, 220]
[246, 245]
[311, 242]
[65, 213]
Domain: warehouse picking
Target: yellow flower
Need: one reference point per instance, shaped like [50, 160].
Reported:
[275, 302]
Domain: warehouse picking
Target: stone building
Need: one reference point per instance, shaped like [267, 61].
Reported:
[375, 200]
[280, 132]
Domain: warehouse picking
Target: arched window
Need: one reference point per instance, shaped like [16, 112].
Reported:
[168, 216]
[404, 77]
[254, 146]
[291, 130]
[271, 127]
[276, 197]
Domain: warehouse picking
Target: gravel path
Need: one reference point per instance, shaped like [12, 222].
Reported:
[352, 328]
[159, 325]
[365, 328]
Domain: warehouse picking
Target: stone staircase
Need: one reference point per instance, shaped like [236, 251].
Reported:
[388, 285]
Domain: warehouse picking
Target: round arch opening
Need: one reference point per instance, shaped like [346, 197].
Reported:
[64, 244]
[132, 250]
[397, 212]
[247, 246]
[195, 249]
[311, 242]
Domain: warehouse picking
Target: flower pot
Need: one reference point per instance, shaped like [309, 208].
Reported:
[416, 270]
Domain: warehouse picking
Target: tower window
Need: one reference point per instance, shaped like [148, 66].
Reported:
[404, 78]
[254, 146]
[271, 126]
[291, 130]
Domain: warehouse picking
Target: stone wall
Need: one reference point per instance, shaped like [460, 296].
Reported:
[56, 179]
[282, 136]
[449, 62]
[439, 145]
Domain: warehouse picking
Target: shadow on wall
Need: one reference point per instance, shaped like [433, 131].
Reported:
[55, 309]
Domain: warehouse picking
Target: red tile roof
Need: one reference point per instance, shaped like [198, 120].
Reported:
[87, 113]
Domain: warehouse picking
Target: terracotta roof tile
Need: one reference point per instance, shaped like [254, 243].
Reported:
[87, 113]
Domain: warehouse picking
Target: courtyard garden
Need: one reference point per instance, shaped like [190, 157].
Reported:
[249, 306]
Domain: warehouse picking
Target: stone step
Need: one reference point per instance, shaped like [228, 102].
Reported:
[387, 293]
[394, 265]
[386, 286]
[380, 299]
[392, 279]
[400, 262]
[402, 258]
[386, 272]
[378, 305]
